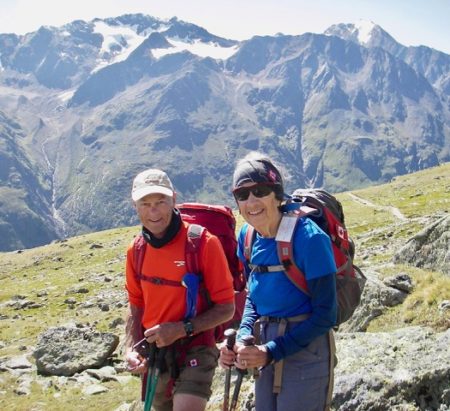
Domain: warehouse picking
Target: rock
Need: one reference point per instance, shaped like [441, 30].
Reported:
[23, 386]
[376, 298]
[124, 379]
[107, 373]
[134, 406]
[385, 371]
[116, 322]
[444, 305]
[402, 282]
[429, 249]
[68, 350]
[94, 389]
[20, 362]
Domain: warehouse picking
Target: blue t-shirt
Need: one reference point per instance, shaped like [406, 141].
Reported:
[273, 294]
[312, 254]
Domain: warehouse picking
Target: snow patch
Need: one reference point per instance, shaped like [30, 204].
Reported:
[364, 29]
[118, 43]
[66, 95]
[198, 48]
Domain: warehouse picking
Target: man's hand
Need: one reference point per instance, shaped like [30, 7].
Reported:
[165, 334]
[227, 357]
[136, 363]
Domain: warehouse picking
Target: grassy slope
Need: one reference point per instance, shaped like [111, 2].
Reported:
[46, 277]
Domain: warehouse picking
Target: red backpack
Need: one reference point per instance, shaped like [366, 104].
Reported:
[219, 221]
[326, 211]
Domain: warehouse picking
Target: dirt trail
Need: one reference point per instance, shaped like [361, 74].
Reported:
[393, 210]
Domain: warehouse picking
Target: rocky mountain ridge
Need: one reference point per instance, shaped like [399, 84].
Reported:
[93, 103]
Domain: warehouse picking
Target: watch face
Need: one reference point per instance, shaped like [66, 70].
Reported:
[189, 328]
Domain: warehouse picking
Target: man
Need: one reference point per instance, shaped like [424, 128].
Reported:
[157, 307]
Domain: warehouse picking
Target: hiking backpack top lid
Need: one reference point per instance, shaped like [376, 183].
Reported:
[329, 216]
[318, 198]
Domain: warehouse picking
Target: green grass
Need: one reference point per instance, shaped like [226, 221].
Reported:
[421, 307]
[50, 275]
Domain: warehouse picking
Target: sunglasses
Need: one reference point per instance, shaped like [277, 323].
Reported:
[259, 191]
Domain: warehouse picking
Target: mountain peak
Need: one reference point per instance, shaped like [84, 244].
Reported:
[363, 32]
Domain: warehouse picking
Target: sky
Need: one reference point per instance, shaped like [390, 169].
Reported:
[410, 22]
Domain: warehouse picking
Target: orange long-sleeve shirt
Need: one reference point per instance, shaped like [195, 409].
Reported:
[165, 303]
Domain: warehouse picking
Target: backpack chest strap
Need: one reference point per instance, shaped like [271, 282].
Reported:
[159, 280]
[265, 268]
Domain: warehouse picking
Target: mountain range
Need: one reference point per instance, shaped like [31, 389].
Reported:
[84, 107]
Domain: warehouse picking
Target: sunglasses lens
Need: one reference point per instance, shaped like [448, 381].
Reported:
[259, 191]
[242, 194]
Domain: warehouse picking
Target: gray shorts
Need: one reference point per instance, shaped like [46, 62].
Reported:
[305, 377]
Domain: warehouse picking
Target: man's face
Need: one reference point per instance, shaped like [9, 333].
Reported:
[155, 213]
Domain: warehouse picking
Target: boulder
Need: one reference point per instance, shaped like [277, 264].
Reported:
[408, 369]
[429, 249]
[376, 298]
[68, 350]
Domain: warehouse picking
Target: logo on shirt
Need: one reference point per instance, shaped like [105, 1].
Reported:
[179, 263]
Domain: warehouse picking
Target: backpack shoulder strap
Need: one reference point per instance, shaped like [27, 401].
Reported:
[195, 234]
[285, 251]
[139, 247]
[248, 242]
[285, 254]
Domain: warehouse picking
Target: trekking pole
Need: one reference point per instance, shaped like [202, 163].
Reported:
[230, 335]
[156, 371]
[248, 340]
[150, 371]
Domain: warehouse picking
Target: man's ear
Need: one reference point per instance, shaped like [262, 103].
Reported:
[174, 197]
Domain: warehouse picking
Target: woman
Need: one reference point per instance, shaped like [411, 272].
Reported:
[293, 330]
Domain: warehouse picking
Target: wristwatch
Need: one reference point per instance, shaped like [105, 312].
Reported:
[188, 328]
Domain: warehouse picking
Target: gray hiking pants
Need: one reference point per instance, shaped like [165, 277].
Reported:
[305, 377]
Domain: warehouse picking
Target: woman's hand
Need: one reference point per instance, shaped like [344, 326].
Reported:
[252, 356]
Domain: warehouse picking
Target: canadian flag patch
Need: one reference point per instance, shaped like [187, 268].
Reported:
[193, 363]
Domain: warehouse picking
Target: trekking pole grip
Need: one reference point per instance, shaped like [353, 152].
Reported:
[230, 335]
[248, 340]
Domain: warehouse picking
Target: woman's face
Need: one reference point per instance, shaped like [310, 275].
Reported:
[260, 209]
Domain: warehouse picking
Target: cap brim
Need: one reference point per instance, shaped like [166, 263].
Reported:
[138, 194]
